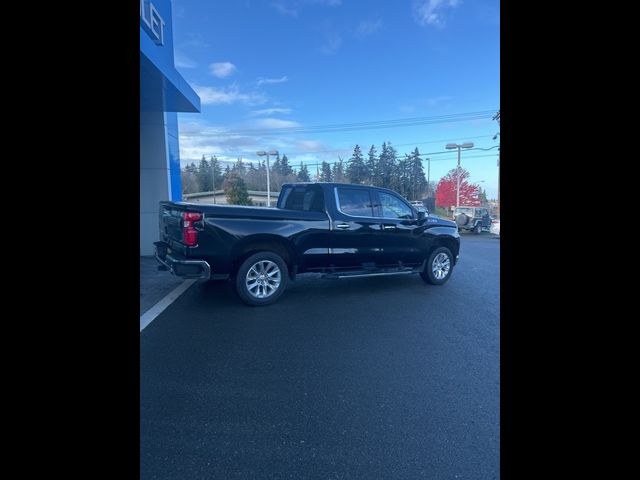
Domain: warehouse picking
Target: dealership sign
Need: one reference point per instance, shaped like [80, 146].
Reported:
[151, 21]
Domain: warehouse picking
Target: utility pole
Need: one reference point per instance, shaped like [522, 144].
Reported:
[498, 182]
[451, 146]
[428, 177]
[213, 172]
[495, 137]
[458, 180]
[496, 117]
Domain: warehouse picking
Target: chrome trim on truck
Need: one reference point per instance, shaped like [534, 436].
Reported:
[206, 269]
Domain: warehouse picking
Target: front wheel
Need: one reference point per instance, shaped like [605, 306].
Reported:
[261, 279]
[438, 267]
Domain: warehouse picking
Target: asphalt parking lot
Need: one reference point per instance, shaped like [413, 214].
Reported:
[370, 378]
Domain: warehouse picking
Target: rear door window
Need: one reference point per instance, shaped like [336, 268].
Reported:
[355, 202]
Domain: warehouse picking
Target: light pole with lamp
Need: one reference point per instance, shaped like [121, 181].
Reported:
[451, 146]
[262, 153]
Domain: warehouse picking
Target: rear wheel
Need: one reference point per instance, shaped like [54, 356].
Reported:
[439, 266]
[261, 279]
[478, 229]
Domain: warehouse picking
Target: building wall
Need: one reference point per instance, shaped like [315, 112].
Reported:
[155, 175]
[163, 92]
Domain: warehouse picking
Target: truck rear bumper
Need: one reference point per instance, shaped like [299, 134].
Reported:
[199, 269]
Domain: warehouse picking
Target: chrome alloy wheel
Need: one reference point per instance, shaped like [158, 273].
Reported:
[263, 279]
[441, 266]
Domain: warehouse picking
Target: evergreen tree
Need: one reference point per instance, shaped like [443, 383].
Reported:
[372, 166]
[204, 176]
[276, 166]
[357, 171]
[252, 177]
[285, 168]
[235, 189]
[325, 172]
[216, 172]
[483, 195]
[337, 172]
[387, 164]
[303, 174]
[191, 168]
[240, 168]
[418, 182]
[225, 175]
[401, 181]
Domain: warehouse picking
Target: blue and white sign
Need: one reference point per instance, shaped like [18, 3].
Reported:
[151, 21]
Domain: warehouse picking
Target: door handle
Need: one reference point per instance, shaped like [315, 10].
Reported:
[389, 227]
[342, 225]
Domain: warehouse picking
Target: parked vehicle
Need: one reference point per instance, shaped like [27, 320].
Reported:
[495, 226]
[340, 230]
[472, 219]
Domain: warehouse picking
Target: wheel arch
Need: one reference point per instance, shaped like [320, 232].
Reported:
[264, 243]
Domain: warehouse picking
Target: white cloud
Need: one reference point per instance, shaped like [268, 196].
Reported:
[368, 27]
[328, 3]
[269, 111]
[182, 61]
[194, 40]
[199, 138]
[431, 12]
[269, 81]
[292, 7]
[310, 145]
[227, 96]
[275, 123]
[283, 9]
[332, 42]
[222, 69]
[433, 101]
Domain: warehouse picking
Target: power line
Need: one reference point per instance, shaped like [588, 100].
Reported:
[348, 149]
[378, 124]
[315, 164]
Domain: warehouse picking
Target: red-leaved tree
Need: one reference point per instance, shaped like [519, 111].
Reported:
[446, 190]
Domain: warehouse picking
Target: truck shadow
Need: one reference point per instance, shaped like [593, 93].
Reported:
[308, 291]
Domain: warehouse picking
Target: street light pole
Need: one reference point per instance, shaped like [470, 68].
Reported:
[451, 146]
[262, 153]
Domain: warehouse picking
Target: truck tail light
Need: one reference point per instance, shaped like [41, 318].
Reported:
[189, 232]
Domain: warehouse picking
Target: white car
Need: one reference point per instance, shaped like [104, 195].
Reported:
[495, 227]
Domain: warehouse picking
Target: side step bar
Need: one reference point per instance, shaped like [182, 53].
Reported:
[367, 274]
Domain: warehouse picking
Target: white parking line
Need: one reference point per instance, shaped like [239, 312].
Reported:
[151, 314]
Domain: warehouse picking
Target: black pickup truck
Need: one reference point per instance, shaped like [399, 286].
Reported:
[340, 230]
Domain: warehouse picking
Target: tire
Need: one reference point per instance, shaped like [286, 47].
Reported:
[439, 258]
[478, 229]
[255, 290]
[462, 219]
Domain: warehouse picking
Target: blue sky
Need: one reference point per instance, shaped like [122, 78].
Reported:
[262, 67]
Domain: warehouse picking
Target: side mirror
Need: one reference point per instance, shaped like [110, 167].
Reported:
[421, 215]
